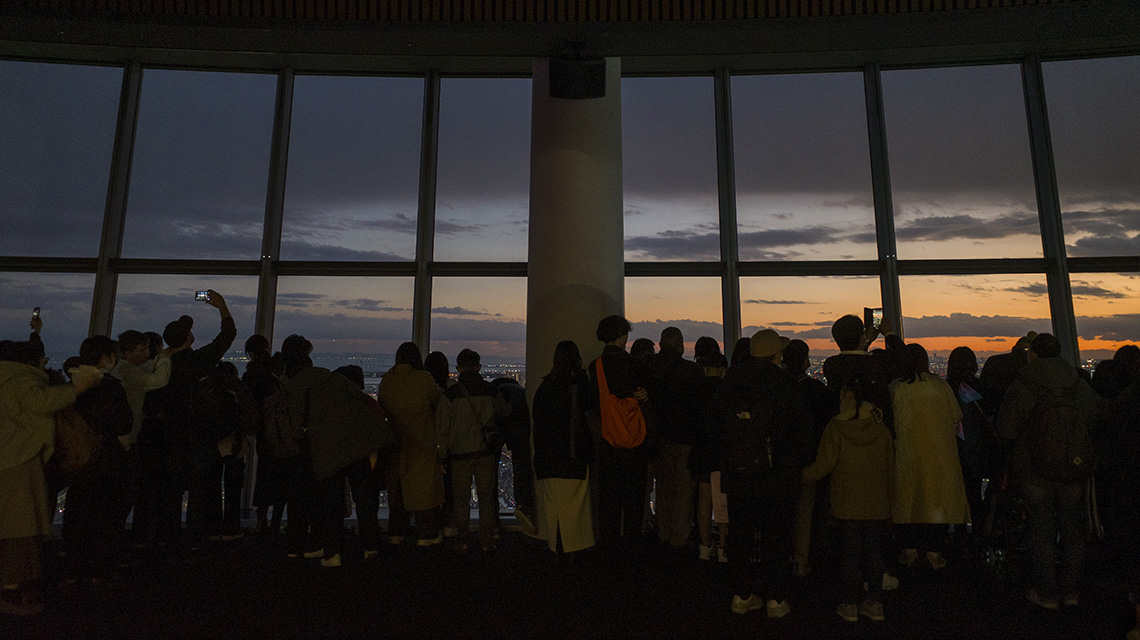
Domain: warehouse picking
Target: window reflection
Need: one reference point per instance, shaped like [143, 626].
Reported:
[669, 169]
[200, 166]
[57, 132]
[483, 183]
[353, 182]
[961, 169]
[803, 179]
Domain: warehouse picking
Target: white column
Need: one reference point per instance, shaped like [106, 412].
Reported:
[576, 263]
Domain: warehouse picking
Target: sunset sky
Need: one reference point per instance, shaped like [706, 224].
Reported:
[961, 179]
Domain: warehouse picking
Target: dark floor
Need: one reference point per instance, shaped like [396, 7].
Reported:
[247, 589]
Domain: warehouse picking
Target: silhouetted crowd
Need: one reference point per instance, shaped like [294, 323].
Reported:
[748, 460]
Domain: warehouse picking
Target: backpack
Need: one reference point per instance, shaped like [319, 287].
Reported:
[1060, 449]
[76, 444]
[623, 423]
[755, 444]
[283, 433]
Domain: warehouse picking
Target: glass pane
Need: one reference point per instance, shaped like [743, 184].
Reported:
[357, 321]
[986, 313]
[1107, 306]
[484, 314]
[354, 164]
[651, 304]
[149, 302]
[483, 185]
[57, 133]
[1094, 120]
[64, 300]
[803, 180]
[961, 170]
[201, 165]
[805, 307]
[668, 132]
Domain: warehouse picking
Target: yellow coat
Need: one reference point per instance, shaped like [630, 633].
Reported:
[928, 477]
[412, 395]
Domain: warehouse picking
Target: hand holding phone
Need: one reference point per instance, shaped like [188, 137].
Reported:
[202, 296]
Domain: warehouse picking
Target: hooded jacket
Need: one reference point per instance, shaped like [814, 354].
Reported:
[860, 456]
[27, 408]
[1054, 374]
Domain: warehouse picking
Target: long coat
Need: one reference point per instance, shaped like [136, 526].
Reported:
[928, 477]
[412, 395]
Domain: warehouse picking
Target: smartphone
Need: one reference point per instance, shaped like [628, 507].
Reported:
[872, 317]
[202, 296]
[35, 313]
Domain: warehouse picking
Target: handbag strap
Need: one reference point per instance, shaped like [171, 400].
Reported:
[603, 387]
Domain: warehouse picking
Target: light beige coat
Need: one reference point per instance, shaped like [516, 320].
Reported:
[412, 395]
[928, 477]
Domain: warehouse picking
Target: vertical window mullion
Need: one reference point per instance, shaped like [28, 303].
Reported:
[1049, 210]
[425, 228]
[274, 205]
[726, 185]
[114, 214]
[881, 187]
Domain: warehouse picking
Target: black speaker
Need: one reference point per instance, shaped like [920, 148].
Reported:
[577, 78]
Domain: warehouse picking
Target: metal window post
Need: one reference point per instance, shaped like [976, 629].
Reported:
[726, 187]
[884, 205]
[425, 230]
[115, 210]
[1049, 210]
[274, 206]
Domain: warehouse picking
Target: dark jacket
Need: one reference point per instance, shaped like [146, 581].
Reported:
[673, 394]
[342, 425]
[624, 375]
[562, 444]
[1052, 374]
[106, 410]
[760, 380]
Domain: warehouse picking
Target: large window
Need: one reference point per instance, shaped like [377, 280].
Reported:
[57, 131]
[805, 307]
[986, 313]
[484, 314]
[353, 183]
[1094, 120]
[149, 302]
[483, 189]
[669, 169]
[961, 170]
[690, 304]
[1107, 306]
[201, 165]
[803, 183]
[349, 320]
[64, 300]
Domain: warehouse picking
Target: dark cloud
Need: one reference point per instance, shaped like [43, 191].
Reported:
[461, 311]
[367, 304]
[966, 325]
[963, 226]
[368, 335]
[1105, 246]
[1107, 232]
[775, 302]
[300, 300]
[301, 250]
[466, 330]
[675, 245]
[1124, 327]
[691, 329]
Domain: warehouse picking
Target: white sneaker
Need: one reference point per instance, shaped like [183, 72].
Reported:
[741, 606]
[427, 542]
[371, 553]
[848, 611]
[721, 555]
[396, 540]
[331, 562]
[778, 609]
[872, 610]
[890, 583]
[704, 553]
[318, 553]
[450, 532]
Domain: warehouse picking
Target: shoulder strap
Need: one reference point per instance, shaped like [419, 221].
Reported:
[603, 387]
